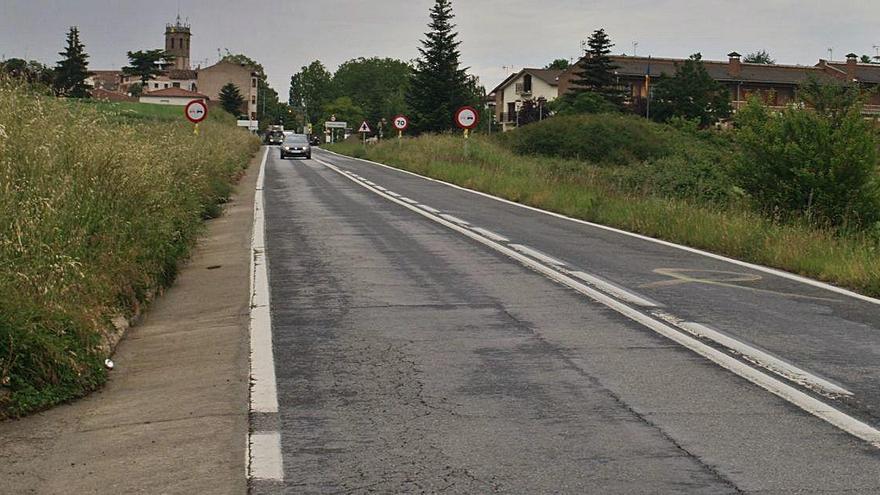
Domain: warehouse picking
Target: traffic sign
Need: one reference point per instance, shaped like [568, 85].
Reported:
[401, 122]
[196, 111]
[365, 128]
[467, 118]
[335, 125]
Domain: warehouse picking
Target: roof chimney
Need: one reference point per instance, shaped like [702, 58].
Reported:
[852, 60]
[734, 65]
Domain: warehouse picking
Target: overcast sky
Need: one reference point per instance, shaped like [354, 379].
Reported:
[496, 35]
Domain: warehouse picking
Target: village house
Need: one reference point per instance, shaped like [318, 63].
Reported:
[777, 85]
[172, 96]
[537, 85]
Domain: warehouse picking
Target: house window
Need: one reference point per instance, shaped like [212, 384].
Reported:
[176, 85]
[253, 115]
[527, 83]
[193, 86]
[254, 82]
[172, 43]
[254, 99]
[511, 112]
[166, 85]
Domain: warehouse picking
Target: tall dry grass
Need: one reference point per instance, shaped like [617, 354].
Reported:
[96, 211]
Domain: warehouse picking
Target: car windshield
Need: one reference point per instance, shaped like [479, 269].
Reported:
[296, 139]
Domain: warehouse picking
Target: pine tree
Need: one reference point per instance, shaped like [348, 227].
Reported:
[690, 94]
[438, 86]
[595, 72]
[231, 99]
[73, 69]
[147, 64]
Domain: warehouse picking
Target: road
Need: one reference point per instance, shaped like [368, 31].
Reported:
[428, 339]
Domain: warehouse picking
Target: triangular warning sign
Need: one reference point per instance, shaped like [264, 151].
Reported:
[365, 127]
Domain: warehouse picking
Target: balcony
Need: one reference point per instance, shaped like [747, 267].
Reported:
[522, 90]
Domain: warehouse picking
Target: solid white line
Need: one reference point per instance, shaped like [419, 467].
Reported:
[408, 200]
[380, 188]
[534, 253]
[266, 463]
[454, 219]
[428, 208]
[263, 449]
[765, 359]
[753, 266]
[773, 385]
[491, 235]
[263, 390]
[614, 290]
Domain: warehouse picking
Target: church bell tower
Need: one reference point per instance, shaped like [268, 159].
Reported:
[177, 38]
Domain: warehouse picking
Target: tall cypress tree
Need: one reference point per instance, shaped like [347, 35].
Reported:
[438, 85]
[596, 71]
[73, 69]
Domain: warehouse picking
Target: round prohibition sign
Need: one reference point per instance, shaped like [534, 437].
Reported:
[401, 122]
[467, 118]
[196, 111]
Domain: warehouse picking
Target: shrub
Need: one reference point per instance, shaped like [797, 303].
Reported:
[587, 102]
[820, 165]
[604, 139]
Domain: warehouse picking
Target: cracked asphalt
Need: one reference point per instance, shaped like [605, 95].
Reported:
[410, 359]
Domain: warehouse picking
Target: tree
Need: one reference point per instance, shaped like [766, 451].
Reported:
[136, 89]
[310, 90]
[759, 57]
[558, 64]
[72, 70]
[867, 59]
[581, 104]
[345, 110]
[438, 85]
[146, 65]
[377, 85]
[691, 94]
[231, 99]
[30, 71]
[596, 70]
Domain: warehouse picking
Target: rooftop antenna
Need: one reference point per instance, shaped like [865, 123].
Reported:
[831, 54]
[877, 51]
[635, 46]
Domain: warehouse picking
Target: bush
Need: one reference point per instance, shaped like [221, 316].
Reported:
[820, 165]
[604, 139]
[586, 102]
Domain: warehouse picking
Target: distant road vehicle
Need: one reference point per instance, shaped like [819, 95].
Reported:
[296, 145]
[315, 140]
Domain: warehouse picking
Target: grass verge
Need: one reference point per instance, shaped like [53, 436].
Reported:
[98, 206]
[598, 194]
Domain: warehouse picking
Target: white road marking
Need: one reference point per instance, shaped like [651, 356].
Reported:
[614, 290]
[264, 464]
[538, 255]
[391, 193]
[428, 208]
[264, 456]
[454, 219]
[380, 188]
[770, 383]
[408, 200]
[753, 266]
[491, 235]
[766, 360]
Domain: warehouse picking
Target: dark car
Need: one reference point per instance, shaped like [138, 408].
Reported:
[274, 137]
[296, 145]
[315, 141]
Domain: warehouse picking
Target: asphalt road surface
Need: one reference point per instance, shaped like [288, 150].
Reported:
[428, 339]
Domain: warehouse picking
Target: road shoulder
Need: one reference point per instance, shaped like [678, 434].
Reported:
[173, 417]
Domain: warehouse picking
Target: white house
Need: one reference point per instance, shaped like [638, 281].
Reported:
[539, 85]
[171, 96]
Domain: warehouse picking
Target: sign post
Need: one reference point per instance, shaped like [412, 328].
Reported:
[364, 130]
[467, 118]
[401, 123]
[333, 124]
[196, 111]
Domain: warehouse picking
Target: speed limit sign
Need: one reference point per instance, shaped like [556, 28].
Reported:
[467, 118]
[400, 122]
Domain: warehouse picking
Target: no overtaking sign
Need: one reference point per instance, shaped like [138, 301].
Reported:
[196, 111]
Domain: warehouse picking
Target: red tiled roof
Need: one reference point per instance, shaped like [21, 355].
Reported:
[175, 93]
